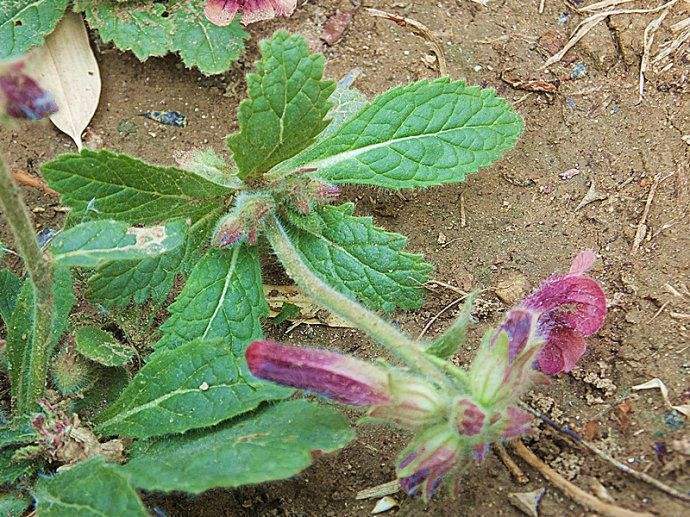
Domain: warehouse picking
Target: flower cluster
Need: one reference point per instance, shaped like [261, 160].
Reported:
[454, 426]
[222, 12]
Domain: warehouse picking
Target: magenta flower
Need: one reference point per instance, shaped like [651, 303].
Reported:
[470, 419]
[22, 96]
[222, 12]
[425, 464]
[332, 375]
[572, 307]
[391, 395]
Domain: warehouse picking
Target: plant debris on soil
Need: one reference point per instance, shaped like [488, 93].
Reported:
[503, 230]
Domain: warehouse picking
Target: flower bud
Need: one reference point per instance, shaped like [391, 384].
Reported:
[338, 377]
[325, 193]
[426, 462]
[517, 422]
[244, 222]
[469, 418]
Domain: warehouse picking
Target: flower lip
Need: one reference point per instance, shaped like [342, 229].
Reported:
[332, 375]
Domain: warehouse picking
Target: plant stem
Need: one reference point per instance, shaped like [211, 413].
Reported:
[30, 379]
[377, 328]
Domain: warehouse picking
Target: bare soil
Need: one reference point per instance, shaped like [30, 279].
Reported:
[501, 231]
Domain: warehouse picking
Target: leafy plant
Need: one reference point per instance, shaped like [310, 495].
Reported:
[146, 28]
[134, 228]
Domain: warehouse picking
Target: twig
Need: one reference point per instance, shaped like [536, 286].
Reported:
[574, 492]
[420, 30]
[575, 437]
[541, 6]
[27, 180]
[649, 32]
[463, 218]
[447, 286]
[642, 225]
[515, 471]
[439, 314]
[679, 315]
[656, 314]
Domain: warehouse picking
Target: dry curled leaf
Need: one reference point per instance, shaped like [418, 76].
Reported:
[659, 384]
[527, 502]
[310, 313]
[65, 66]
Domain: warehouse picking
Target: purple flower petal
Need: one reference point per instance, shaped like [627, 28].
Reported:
[470, 419]
[518, 422]
[583, 262]
[430, 467]
[562, 350]
[332, 375]
[518, 324]
[23, 97]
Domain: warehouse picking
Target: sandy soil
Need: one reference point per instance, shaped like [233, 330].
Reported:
[521, 223]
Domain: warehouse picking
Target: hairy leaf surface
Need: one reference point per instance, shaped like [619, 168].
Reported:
[417, 135]
[10, 285]
[286, 108]
[364, 261]
[197, 384]
[116, 186]
[101, 346]
[98, 242]
[276, 443]
[92, 488]
[222, 298]
[25, 24]
[154, 29]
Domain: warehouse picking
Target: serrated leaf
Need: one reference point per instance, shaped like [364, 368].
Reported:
[98, 242]
[347, 102]
[195, 385]
[66, 67]
[222, 298]
[13, 504]
[417, 135]
[286, 108]
[101, 347]
[363, 261]
[200, 43]
[276, 443]
[207, 164]
[25, 23]
[21, 328]
[10, 286]
[90, 488]
[154, 29]
[116, 186]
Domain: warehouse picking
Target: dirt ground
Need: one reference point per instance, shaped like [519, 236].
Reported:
[504, 229]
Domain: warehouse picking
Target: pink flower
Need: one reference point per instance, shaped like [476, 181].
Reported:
[22, 96]
[222, 12]
[572, 307]
[470, 419]
[391, 395]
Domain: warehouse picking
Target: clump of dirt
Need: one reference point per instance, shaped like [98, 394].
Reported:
[522, 219]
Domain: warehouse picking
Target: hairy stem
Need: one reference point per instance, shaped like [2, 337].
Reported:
[30, 380]
[380, 330]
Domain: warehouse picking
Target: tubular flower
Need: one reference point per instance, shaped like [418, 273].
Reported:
[572, 307]
[23, 97]
[222, 12]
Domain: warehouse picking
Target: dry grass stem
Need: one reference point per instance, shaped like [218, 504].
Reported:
[421, 30]
[642, 225]
[515, 471]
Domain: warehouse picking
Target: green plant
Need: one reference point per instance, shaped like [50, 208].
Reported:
[197, 416]
[146, 28]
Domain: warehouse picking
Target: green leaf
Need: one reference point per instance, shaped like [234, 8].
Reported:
[197, 384]
[207, 164]
[417, 135]
[18, 431]
[119, 187]
[10, 286]
[98, 242]
[21, 328]
[12, 470]
[90, 488]
[453, 339]
[13, 504]
[109, 384]
[26, 23]
[347, 102]
[276, 443]
[154, 29]
[101, 347]
[286, 108]
[363, 261]
[223, 298]
[200, 43]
